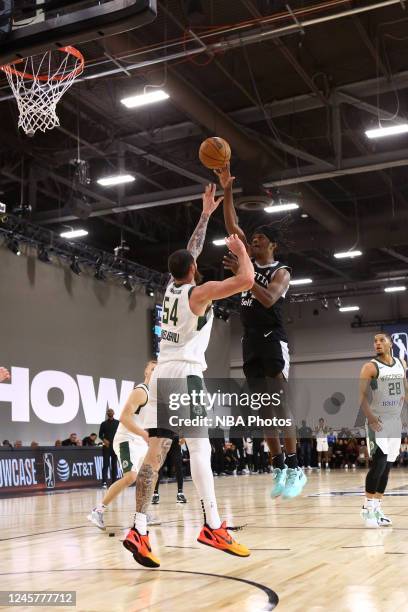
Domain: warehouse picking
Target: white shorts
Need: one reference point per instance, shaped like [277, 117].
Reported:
[176, 372]
[389, 446]
[388, 439]
[130, 452]
[322, 446]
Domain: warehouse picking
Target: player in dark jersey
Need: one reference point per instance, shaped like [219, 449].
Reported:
[264, 343]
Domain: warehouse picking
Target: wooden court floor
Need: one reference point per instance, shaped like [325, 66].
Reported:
[313, 553]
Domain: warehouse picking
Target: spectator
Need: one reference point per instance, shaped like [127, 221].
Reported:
[7, 444]
[71, 441]
[90, 440]
[18, 444]
[338, 453]
[265, 456]
[34, 444]
[238, 441]
[249, 451]
[231, 458]
[58, 443]
[185, 457]
[107, 432]
[363, 457]
[305, 435]
[79, 442]
[403, 459]
[217, 441]
[4, 375]
[351, 453]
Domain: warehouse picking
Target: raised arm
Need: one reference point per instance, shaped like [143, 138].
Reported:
[368, 372]
[196, 242]
[136, 398]
[230, 216]
[216, 290]
[267, 296]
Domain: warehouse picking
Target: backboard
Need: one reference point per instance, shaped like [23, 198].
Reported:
[30, 27]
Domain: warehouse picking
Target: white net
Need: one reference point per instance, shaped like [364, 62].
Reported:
[38, 82]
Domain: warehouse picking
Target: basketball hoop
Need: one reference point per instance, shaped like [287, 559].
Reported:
[39, 82]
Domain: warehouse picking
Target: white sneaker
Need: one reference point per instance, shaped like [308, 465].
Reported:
[369, 518]
[382, 520]
[96, 517]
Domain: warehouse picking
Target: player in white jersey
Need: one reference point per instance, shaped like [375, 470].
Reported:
[186, 327]
[384, 378]
[129, 444]
[322, 445]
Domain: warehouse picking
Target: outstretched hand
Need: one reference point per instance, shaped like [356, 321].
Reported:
[235, 245]
[224, 176]
[230, 262]
[209, 202]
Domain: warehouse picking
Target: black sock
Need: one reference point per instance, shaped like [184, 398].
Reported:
[278, 461]
[291, 461]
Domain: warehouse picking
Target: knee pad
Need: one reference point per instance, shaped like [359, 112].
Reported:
[199, 445]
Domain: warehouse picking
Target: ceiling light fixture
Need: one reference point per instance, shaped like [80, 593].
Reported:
[117, 179]
[78, 233]
[349, 308]
[347, 254]
[300, 281]
[392, 130]
[276, 208]
[149, 97]
[395, 288]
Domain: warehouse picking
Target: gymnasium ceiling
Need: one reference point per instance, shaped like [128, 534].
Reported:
[293, 106]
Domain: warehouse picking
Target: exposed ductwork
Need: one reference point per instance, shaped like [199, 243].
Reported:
[259, 158]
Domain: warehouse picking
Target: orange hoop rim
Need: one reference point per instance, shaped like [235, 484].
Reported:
[9, 68]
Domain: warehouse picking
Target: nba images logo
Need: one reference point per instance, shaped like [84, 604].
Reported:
[400, 345]
[49, 475]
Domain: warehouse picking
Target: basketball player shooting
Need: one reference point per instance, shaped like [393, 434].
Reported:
[129, 444]
[264, 343]
[384, 379]
[186, 328]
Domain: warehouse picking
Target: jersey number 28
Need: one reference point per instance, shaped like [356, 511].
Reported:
[170, 311]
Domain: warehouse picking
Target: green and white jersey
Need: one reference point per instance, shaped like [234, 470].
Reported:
[184, 335]
[388, 390]
[137, 417]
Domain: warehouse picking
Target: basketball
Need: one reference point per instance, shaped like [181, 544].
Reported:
[214, 152]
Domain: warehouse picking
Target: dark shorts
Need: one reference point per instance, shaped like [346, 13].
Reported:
[158, 432]
[264, 355]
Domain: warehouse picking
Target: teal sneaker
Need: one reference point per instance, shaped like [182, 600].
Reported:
[279, 480]
[295, 481]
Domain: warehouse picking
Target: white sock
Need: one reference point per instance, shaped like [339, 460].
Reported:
[101, 508]
[377, 503]
[369, 503]
[201, 473]
[141, 523]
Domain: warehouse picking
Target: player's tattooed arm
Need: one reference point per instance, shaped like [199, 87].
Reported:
[148, 473]
[196, 242]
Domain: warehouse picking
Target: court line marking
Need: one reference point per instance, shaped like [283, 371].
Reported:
[273, 598]
[198, 548]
